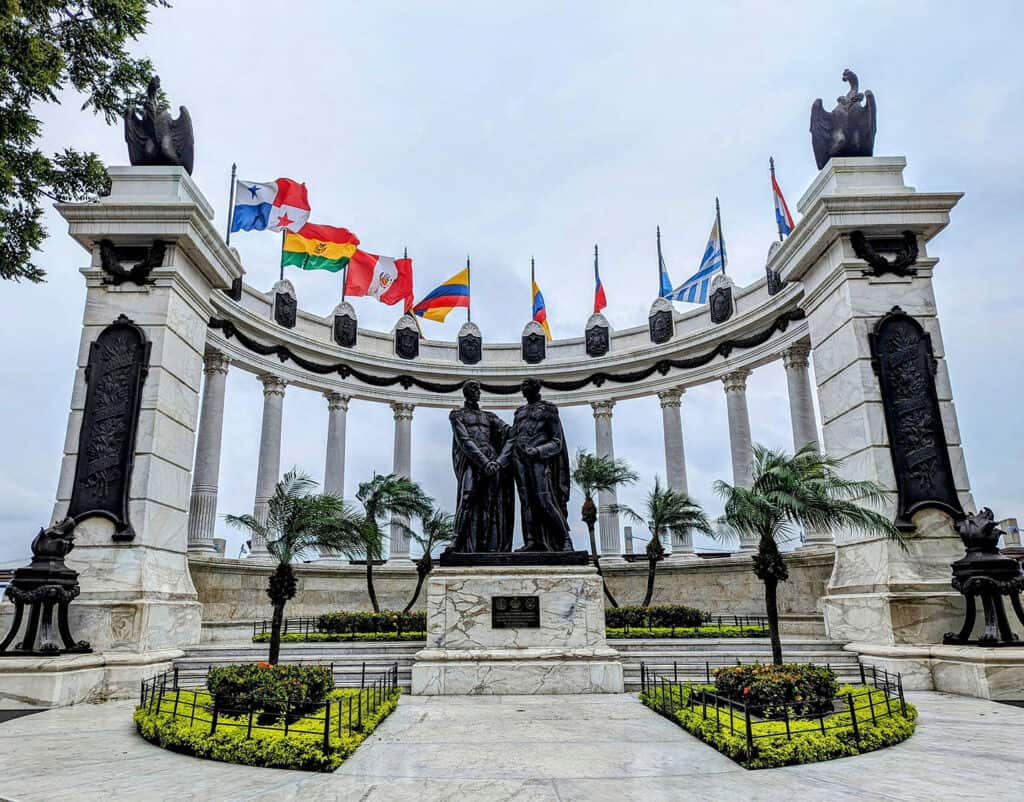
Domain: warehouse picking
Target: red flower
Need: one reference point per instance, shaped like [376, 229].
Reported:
[746, 690]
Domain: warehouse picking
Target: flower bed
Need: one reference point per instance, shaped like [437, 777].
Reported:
[672, 616]
[774, 691]
[355, 623]
[865, 718]
[272, 732]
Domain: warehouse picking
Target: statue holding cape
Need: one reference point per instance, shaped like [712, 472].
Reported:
[484, 511]
[537, 452]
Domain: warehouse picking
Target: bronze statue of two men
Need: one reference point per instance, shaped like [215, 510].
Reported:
[490, 458]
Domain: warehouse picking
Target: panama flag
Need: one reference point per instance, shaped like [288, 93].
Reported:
[281, 205]
[386, 279]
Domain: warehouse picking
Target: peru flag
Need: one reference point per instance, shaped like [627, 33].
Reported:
[386, 279]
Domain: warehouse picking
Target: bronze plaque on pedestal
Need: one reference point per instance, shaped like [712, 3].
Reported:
[515, 612]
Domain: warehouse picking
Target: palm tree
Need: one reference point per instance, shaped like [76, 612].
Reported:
[297, 523]
[386, 496]
[593, 474]
[791, 491]
[666, 510]
[438, 529]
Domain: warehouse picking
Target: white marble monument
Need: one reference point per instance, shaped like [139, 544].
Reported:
[566, 652]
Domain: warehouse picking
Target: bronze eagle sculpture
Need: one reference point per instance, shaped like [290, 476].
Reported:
[847, 130]
[157, 138]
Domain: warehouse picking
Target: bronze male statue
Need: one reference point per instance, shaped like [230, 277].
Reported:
[484, 511]
[537, 452]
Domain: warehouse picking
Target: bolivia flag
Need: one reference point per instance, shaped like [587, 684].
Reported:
[386, 279]
[317, 247]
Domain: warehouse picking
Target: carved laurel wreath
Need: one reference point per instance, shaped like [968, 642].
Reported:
[901, 265]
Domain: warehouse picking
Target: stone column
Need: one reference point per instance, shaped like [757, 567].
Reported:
[801, 415]
[735, 384]
[878, 593]
[334, 470]
[202, 510]
[675, 459]
[607, 517]
[402, 467]
[268, 471]
[801, 406]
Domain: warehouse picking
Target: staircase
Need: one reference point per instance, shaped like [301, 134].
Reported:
[687, 660]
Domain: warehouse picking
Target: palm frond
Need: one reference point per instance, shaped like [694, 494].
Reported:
[594, 474]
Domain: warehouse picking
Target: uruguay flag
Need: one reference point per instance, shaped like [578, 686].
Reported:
[782, 216]
[281, 205]
[695, 288]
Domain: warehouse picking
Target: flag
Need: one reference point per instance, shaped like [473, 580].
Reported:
[386, 279]
[665, 283]
[695, 288]
[600, 302]
[281, 205]
[782, 216]
[437, 303]
[317, 247]
[540, 312]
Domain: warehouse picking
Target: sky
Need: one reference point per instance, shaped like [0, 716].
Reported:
[507, 131]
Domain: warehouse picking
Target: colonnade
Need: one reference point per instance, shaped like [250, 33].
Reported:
[203, 505]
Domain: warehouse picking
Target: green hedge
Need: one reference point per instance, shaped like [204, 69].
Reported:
[269, 748]
[273, 689]
[806, 744]
[672, 616]
[352, 622]
[708, 631]
[770, 690]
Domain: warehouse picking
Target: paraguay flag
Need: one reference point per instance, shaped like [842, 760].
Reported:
[600, 302]
[782, 216]
[540, 312]
[437, 303]
[281, 205]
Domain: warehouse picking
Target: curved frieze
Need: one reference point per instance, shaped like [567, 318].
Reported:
[597, 379]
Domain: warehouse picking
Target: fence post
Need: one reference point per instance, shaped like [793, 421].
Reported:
[863, 679]
[675, 672]
[750, 732]
[213, 721]
[350, 714]
[287, 711]
[704, 705]
[888, 702]
[362, 677]
[789, 736]
[899, 687]
[853, 718]
[175, 678]
[192, 717]
[252, 707]
[177, 695]
[871, 704]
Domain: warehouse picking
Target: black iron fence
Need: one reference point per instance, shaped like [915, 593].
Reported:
[345, 675]
[882, 697]
[165, 693]
[301, 626]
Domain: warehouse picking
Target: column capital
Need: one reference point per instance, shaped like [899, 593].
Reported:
[336, 401]
[796, 356]
[272, 385]
[672, 397]
[402, 410]
[603, 409]
[736, 382]
[215, 362]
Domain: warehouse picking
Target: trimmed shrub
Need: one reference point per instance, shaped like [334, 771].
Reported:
[725, 730]
[273, 690]
[357, 622]
[660, 615]
[768, 689]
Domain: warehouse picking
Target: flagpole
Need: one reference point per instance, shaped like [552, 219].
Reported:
[231, 202]
[721, 237]
[778, 222]
[596, 274]
[660, 261]
[284, 233]
[533, 283]
[469, 289]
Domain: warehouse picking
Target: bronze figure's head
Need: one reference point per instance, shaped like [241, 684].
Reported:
[531, 389]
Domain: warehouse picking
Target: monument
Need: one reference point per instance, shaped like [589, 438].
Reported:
[511, 622]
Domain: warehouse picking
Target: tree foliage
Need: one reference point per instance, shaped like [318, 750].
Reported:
[47, 47]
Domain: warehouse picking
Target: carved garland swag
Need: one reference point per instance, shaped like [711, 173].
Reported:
[662, 366]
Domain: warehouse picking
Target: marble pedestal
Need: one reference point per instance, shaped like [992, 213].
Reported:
[566, 653]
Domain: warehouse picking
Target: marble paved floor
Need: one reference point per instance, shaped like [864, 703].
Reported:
[520, 749]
